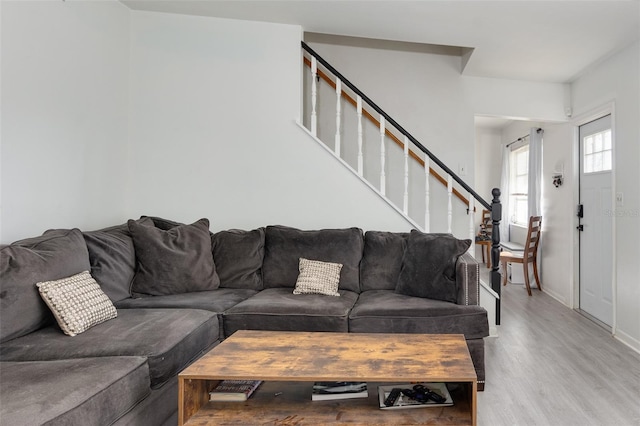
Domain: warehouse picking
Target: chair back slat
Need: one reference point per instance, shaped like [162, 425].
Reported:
[533, 237]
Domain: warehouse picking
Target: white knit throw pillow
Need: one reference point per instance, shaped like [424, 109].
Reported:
[318, 277]
[77, 302]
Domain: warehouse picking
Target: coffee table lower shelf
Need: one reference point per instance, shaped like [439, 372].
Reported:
[289, 403]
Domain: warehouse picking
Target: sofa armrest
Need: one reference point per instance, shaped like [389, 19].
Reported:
[468, 280]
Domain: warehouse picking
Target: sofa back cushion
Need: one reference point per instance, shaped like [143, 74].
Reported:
[113, 259]
[56, 254]
[429, 266]
[238, 257]
[174, 261]
[285, 246]
[382, 259]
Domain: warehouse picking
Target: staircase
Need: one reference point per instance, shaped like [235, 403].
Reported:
[395, 164]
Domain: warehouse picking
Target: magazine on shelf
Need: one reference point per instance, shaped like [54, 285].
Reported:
[234, 390]
[324, 391]
[404, 401]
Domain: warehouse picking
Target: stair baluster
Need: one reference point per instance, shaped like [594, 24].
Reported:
[405, 203]
[360, 156]
[383, 156]
[472, 225]
[314, 96]
[449, 204]
[427, 219]
[338, 114]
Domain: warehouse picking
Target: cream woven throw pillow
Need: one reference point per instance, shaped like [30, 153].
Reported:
[318, 277]
[77, 302]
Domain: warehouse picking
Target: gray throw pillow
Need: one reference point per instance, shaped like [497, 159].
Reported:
[238, 257]
[429, 266]
[113, 259]
[382, 259]
[174, 261]
[162, 223]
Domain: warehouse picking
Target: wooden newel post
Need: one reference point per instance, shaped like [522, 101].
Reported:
[496, 216]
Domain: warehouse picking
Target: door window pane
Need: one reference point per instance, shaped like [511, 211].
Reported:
[598, 154]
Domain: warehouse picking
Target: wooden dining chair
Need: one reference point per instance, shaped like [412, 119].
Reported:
[483, 239]
[528, 256]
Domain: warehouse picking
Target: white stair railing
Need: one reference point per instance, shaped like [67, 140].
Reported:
[386, 131]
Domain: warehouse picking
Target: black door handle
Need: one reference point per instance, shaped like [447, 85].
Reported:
[580, 227]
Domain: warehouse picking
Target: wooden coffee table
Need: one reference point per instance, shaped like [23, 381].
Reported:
[289, 362]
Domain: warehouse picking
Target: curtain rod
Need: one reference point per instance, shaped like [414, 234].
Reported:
[538, 130]
[517, 140]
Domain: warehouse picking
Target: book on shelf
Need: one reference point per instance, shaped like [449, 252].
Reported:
[326, 391]
[404, 401]
[234, 390]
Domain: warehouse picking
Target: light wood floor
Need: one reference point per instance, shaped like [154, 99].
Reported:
[551, 366]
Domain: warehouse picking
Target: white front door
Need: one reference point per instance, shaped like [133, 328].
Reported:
[596, 260]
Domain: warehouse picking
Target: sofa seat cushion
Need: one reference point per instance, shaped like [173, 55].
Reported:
[280, 309]
[86, 391]
[384, 311]
[169, 338]
[218, 301]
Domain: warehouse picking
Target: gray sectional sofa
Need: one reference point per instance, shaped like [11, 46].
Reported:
[177, 300]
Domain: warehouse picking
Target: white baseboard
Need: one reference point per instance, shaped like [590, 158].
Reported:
[628, 340]
[556, 296]
[493, 331]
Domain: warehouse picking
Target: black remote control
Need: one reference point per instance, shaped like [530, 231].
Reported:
[392, 397]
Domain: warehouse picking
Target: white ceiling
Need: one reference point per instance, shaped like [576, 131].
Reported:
[549, 41]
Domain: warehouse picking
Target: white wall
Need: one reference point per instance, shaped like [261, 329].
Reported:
[213, 133]
[488, 161]
[558, 212]
[617, 80]
[64, 115]
[523, 100]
